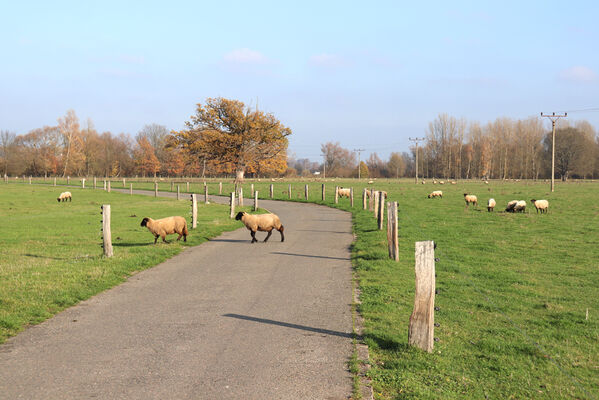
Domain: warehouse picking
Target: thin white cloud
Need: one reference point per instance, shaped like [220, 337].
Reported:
[327, 60]
[245, 56]
[578, 74]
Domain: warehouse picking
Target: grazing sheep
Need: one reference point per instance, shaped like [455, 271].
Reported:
[64, 196]
[441, 182]
[510, 205]
[454, 183]
[423, 182]
[166, 226]
[470, 198]
[261, 222]
[542, 205]
[520, 206]
[344, 192]
[436, 193]
[491, 204]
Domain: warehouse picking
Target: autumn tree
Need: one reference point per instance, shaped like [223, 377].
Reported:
[226, 131]
[145, 159]
[396, 165]
[338, 161]
[7, 140]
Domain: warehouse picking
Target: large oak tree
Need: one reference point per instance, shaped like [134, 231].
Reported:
[225, 131]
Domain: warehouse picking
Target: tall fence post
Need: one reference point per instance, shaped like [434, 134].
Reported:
[187, 186]
[124, 183]
[336, 194]
[240, 202]
[108, 189]
[155, 189]
[289, 190]
[380, 218]
[364, 197]
[323, 192]
[306, 192]
[422, 320]
[272, 191]
[392, 229]
[220, 188]
[178, 193]
[232, 204]
[130, 188]
[252, 189]
[255, 200]
[104, 184]
[95, 186]
[194, 211]
[375, 202]
[83, 183]
[205, 194]
[106, 235]
[68, 180]
[30, 180]
[351, 197]
[54, 181]
[5, 178]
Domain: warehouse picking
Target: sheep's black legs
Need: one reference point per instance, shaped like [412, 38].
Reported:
[254, 237]
[281, 232]
[155, 239]
[267, 236]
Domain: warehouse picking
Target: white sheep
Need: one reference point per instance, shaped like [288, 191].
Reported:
[166, 226]
[510, 205]
[261, 222]
[520, 206]
[436, 193]
[542, 205]
[64, 196]
[491, 204]
[344, 192]
[470, 198]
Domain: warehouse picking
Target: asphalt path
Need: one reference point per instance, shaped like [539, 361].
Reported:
[223, 320]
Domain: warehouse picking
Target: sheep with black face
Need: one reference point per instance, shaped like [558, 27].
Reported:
[261, 222]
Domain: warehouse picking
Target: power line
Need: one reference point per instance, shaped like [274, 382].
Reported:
[359, 151]
[553, 117]
[416, 140]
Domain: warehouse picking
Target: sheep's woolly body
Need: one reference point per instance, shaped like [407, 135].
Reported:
[344, 192]
[491, 204]
[166, 226]
[436, 193]
[470, 198]
[261, 222]
[510, 205]
[64, 196]
[520, 206]
[542, 205]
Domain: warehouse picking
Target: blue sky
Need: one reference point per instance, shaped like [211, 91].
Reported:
[365, 75]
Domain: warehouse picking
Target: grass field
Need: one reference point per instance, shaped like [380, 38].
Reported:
[514, 289]
[51, 254]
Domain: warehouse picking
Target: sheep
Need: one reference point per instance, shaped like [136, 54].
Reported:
[542, 205]
[166, 226]
[454, 183]
[520, 206]
[470, 198]
[64, 196]
[441, 182]
[510, 205]
[491, 204]
[344, 192]
[436, 193]
[261, 222]
[423, 182]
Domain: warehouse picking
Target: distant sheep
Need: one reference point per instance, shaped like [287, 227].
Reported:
[261, 222]
[491, 205]
[510, 205]
[344, 192]
[436, 193]
[470, 198]
[166, 226]
[520, 206]
[542, 205]
[64, 196]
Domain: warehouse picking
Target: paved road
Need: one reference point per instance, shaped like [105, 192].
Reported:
[223, 320]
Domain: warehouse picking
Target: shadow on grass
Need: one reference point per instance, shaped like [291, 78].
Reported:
[387, 344]
[293, 326]
[132, 244]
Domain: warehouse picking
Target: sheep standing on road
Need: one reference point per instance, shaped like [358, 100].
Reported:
[64, 196]
[542, 205]
[166, 226]
[470, 198]
[261, 222]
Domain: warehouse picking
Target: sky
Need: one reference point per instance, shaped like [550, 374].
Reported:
[368, 75]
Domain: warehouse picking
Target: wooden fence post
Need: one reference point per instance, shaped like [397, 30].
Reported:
[272, 191]
[155, 189]
[232, 204]
[124, 183]
[30, 180]
[336, 194]
[380, 217]
[375, 208]
[172, 185]
[104, 184]
[289, 190]
[68, 180]
[178, 193]
[205, 194]
[306, 192]
[240, 196]
[371, 200]
[194, 211]
[364, 197]
[83, 183]
[131, 189]
[94, 182]
[252, 189]
[106, 235]
[220, 188]
[392, 228]
[108, 189]
[422, 320]
[255, 200]
[187, 186]
[323, 192]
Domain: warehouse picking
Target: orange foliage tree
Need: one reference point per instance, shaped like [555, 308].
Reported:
[145, 158]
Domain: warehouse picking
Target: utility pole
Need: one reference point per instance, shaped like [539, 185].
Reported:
[359, 150]
[553, 117]
[416, 140]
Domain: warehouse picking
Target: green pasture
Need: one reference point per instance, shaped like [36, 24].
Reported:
[51, 254]
[514, 290]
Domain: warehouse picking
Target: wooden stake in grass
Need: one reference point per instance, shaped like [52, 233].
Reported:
[104, 184]
[306, 192]
[381, 210]
[272, 191]
[252, 189]
[83, 183]
[68, 180]
[194, 211]
[205, 194]
[255, 200]
[155, 189]
[108, 190]
[124, 183]
[220, 188]
[371, 200]
[351, 197]
[178, 193]
[55, 182]
[30, 180]
[336, 194]
[232, 204]
[375, 208]
[364, 197]
[289, 190]
[131, 189]
[187, 186]
[392, 228]
[172, 185]
[106, 235]
[240, 196]
[422, 320]
[94, 182]
[323, 192]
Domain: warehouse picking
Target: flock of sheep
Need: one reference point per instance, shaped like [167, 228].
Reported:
[512, 206]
